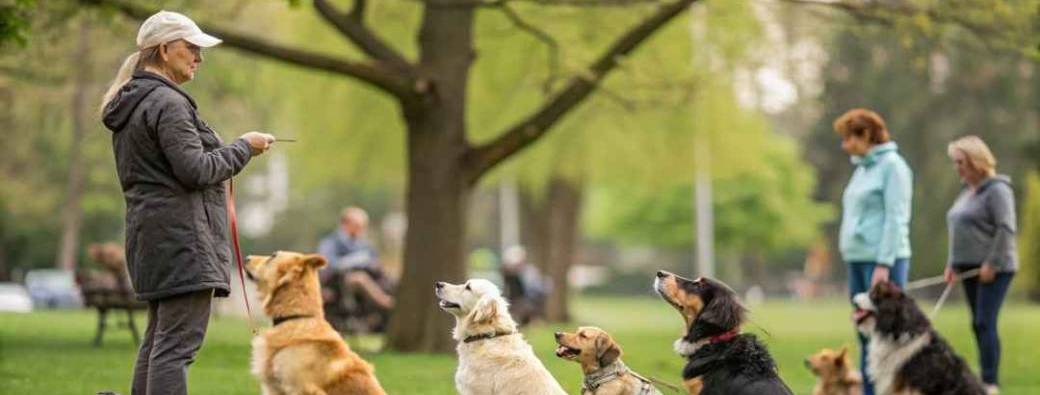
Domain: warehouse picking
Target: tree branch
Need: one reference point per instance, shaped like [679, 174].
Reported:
[349, 25]
[358, 12]
[877, 10]
[479, 160]
[381, 76]
[554, 47]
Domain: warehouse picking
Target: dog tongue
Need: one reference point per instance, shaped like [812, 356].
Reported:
[561, 351]
[858, 314]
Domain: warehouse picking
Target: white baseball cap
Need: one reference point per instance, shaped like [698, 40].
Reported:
[166, 26]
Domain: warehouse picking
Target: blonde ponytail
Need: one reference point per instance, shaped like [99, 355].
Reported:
[122, 77]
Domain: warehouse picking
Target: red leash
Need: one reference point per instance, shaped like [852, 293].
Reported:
[233, 222]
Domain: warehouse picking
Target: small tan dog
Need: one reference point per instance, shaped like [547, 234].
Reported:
[835, 373]
[301, 353]
[494, 359]
[600, 359]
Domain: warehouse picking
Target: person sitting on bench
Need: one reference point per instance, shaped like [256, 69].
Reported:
[353, 263]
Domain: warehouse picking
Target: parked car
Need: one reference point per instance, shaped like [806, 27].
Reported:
[53, 288]
[14, 298]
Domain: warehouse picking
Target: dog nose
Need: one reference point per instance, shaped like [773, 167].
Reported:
[662, 274]
[438, 285]
[558, 335]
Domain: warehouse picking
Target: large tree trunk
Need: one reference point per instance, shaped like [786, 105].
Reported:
[534, 223]
[437, 185]
[551, 233]
[564, 202]
[72, 213]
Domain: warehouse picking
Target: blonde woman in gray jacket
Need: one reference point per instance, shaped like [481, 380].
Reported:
[982, 231]
[172, 168]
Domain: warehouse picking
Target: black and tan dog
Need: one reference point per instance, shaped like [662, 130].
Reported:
[600, 359]
[720, 359]
[907, 356]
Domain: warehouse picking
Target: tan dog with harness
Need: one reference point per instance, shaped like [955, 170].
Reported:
[600, 359]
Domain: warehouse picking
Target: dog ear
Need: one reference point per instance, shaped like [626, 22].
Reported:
[315, 260]
[723, 312]
[839, 360]
[485, 311]
[897, 312]
[607, 351]
[290, 274]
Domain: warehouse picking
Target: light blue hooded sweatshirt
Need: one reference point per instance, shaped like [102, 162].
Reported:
[875, 221]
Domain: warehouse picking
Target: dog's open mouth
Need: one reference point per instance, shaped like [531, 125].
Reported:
[446, 305]
[860, 315]
[567, 352]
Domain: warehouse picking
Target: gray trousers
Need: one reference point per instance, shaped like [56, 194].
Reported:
[176, 327]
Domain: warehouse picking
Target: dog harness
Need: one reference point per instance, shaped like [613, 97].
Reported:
[612, 372]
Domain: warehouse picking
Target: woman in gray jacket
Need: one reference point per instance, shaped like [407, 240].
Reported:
[172, 168]
[981, 224]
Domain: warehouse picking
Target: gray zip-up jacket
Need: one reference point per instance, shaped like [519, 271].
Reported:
[982, 227]
[172, 167]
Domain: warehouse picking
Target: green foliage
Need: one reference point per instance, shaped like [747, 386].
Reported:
[765, 210]
[1029, 236]
[14, 22]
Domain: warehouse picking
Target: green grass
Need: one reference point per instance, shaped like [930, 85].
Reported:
[50, 353]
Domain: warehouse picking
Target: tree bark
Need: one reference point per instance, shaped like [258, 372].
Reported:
[565, 198]
[551, 229]
[72, 213]
[534, 223]
[437, 187]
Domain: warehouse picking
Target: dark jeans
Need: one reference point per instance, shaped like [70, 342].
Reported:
[176, 327]
[984, 300]
[860, 274]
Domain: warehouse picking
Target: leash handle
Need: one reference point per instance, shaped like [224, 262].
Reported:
[233, 223]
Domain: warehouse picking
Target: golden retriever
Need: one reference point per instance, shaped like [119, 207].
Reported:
[301, 353]
[494, 359]
[600, 359]
[835, 373]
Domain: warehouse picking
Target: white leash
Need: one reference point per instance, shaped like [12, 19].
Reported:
[934, 280]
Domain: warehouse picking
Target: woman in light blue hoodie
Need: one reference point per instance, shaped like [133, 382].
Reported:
[875, 221]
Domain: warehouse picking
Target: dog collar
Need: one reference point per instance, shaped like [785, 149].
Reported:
[279, 320]
[687, 349]
[486, 336]
[725, 337]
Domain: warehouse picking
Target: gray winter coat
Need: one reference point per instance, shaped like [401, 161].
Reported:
[172, 167]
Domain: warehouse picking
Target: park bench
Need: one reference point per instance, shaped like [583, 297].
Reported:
[104, 300]
[109, 289]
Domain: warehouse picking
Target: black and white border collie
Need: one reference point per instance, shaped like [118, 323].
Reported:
[907, 356]
[719, 359]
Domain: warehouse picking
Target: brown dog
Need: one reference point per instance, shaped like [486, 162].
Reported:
[301, 353]
[600, 359]
[835, 373]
